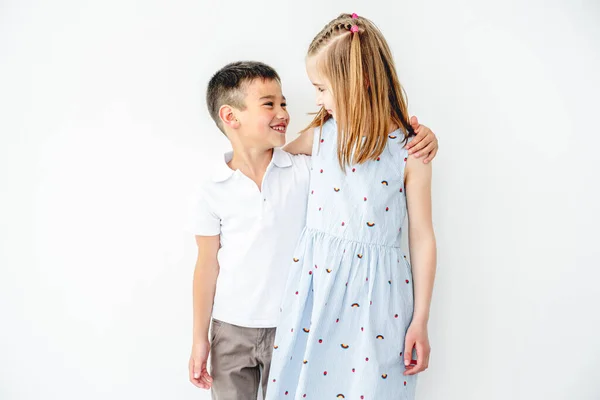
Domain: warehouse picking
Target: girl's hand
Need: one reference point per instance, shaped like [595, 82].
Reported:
[424, 144]
[199, 375]
[416, 337]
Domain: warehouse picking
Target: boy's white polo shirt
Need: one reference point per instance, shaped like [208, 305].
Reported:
[258, 232]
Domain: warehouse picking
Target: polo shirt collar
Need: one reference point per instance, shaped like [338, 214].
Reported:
[281, 159]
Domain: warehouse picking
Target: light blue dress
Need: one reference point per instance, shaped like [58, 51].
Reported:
[349, 297]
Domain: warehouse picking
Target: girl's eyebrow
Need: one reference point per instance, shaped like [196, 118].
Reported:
[317, 84]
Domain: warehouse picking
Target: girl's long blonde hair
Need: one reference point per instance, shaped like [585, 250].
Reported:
[368, 95]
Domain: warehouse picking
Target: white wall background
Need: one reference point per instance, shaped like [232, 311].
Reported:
[104, 133]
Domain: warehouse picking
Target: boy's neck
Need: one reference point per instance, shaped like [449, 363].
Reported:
[251, 162]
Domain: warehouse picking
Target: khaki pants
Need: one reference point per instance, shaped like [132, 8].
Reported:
[240, 360]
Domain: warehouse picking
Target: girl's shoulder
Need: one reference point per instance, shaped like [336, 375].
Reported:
[330, 125]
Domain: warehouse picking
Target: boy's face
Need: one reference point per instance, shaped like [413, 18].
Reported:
[264, 121]
[322, 85]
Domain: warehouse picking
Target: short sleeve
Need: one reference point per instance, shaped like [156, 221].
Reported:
[204, 221]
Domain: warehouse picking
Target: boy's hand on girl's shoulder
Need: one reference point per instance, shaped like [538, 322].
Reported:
[199, 375]
[425, 142]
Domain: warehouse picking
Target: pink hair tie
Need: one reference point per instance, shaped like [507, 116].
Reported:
[354, 16]
[354, 29]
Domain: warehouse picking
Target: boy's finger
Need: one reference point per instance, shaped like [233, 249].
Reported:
[197, 370]
[193, 378]
[415, 140]
[206, 375]
[207, 384]
[430, 156]
[425, 141]
[197, 382]
[427, 150]
[414, 122]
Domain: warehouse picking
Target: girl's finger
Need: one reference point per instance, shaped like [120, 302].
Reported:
[414, 369]
[408, 350]
[422, 357]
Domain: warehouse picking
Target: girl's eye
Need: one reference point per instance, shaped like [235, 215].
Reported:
[321, 90]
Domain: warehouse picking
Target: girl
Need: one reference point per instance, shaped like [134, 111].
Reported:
[353, 322]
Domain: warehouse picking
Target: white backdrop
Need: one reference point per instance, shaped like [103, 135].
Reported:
[104, 134]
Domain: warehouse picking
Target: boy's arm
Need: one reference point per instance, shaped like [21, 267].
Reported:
[302, 144]
[425, 143]
[205, 280]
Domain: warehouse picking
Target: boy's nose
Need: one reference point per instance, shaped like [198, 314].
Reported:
[283, 115]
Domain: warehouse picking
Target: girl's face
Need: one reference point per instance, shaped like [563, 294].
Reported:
[322, 85]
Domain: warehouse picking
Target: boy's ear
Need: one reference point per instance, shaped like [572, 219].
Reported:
[228, 117]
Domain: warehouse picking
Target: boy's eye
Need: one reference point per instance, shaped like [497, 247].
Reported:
[284, 105]
[270, 104]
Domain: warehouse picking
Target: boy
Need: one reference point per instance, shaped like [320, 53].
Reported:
[248, 219]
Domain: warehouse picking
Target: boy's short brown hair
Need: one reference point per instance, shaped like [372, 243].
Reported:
[227, 85]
